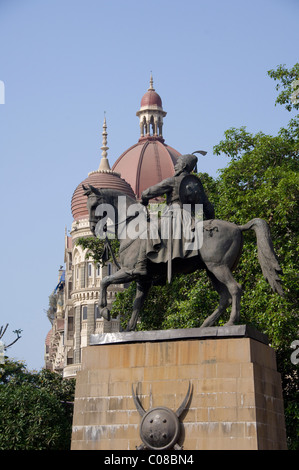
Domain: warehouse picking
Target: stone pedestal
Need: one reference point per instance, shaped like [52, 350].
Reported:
[236, 401]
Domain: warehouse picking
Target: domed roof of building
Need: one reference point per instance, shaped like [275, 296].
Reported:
[48, 338]
[150, 160]
[103, 178]
[146, 163]
[100, 180]
[151, 97]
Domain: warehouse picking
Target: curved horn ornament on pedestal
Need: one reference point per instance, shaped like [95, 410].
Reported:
[160, 427]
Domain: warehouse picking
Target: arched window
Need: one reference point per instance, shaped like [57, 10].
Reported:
[84, 312]
[89, 269]
[98, 270]
[96, 311]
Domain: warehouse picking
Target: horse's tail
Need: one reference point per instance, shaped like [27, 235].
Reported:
[266, 253]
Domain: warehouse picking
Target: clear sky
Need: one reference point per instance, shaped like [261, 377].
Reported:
[65, 62]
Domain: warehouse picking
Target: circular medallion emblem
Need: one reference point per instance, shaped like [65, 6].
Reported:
[159, 428]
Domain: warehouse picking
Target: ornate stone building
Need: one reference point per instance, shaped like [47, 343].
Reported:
[146, 163]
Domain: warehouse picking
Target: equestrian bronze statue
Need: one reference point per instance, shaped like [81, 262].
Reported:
[148, 258]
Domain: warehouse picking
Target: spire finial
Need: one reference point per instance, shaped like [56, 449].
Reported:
[104, 164]
[151, 82]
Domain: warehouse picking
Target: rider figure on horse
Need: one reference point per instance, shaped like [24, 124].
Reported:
[176, 193]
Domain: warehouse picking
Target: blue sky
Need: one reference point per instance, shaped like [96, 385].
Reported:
[65, 62]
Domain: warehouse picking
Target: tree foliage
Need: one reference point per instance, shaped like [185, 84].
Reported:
[35, 409]
[97, 250]
[286, 78]
[52, 307]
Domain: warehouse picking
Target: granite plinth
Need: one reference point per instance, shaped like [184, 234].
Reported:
[236, 401]
[235, 331]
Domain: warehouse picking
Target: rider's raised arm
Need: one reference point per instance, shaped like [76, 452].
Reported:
[159, 189]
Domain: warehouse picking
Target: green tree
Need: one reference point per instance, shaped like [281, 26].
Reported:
[98, 250]
[35, 409]
[287, 79]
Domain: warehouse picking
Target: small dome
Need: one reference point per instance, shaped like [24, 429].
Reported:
[150, 160]
[100, 180]
[151, 98]
[146, 163]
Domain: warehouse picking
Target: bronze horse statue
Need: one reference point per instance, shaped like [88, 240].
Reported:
[219, 255]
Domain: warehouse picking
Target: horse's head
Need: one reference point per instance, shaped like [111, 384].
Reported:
[95, 197]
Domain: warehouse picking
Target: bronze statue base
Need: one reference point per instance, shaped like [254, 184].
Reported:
[236, 399]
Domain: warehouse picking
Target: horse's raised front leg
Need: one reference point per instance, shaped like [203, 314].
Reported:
[120, 277]
[142, 289]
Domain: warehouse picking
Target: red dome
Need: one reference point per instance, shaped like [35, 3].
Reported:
[151, 98]
[99, 180]
[48, 338]
[146, 163]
